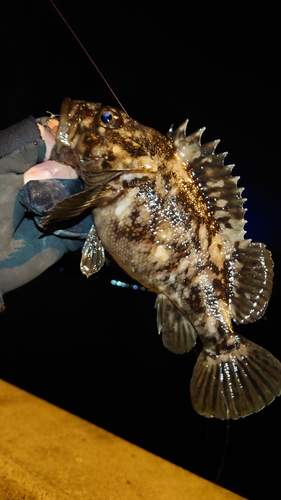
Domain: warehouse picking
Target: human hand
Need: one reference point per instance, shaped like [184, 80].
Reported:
[25, 250]
[48, 169]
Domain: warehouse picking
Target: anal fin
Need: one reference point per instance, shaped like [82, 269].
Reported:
[178, 334]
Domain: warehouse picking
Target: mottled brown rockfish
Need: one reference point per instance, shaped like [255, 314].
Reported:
[170, 214]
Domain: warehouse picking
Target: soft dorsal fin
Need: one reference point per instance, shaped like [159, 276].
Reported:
[253, 280]
[214, 178]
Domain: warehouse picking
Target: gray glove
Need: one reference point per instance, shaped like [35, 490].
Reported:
[26, 250]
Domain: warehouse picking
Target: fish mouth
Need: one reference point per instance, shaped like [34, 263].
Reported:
[65, 154]
[93, 179]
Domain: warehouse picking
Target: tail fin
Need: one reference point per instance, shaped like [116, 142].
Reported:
[237, 383]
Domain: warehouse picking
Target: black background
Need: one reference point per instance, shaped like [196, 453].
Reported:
[93, 348]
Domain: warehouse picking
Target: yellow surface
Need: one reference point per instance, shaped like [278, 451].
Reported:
[49, 454]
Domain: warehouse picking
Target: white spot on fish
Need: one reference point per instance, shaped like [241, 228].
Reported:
[219, 213]
[117, 149]
[123, 208]
[203, 236]
[183, 265]
[221, 203]
[161, 254]
[217, 252]
[219, 183]
[211, 325]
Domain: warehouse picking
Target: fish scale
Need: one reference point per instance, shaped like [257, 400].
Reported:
[169, 211]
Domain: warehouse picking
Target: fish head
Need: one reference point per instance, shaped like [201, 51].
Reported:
[97, 139]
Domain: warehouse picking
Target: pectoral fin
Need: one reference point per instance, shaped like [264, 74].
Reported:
[178, 334]
[75, 205]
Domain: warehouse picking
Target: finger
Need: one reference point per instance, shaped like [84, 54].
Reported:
[49, 170]
[48, 136]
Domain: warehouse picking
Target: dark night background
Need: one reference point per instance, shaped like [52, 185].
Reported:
[93, 348]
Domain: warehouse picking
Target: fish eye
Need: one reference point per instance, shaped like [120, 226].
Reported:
[108, 118]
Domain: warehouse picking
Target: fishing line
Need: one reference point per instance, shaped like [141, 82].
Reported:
[122, 107]
[227, 435]
[224, 449]
[88, 55]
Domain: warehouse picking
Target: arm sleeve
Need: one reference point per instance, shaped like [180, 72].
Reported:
[21, 147]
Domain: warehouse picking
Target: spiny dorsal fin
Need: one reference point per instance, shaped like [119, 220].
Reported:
[214, 178]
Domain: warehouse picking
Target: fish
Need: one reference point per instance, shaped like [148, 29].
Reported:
[170, 213]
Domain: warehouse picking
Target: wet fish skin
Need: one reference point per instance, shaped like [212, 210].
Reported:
[170, 213]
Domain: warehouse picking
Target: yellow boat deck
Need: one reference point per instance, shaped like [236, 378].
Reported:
[47, 453]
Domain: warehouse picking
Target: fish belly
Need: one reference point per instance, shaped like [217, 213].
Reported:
[169, 251]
